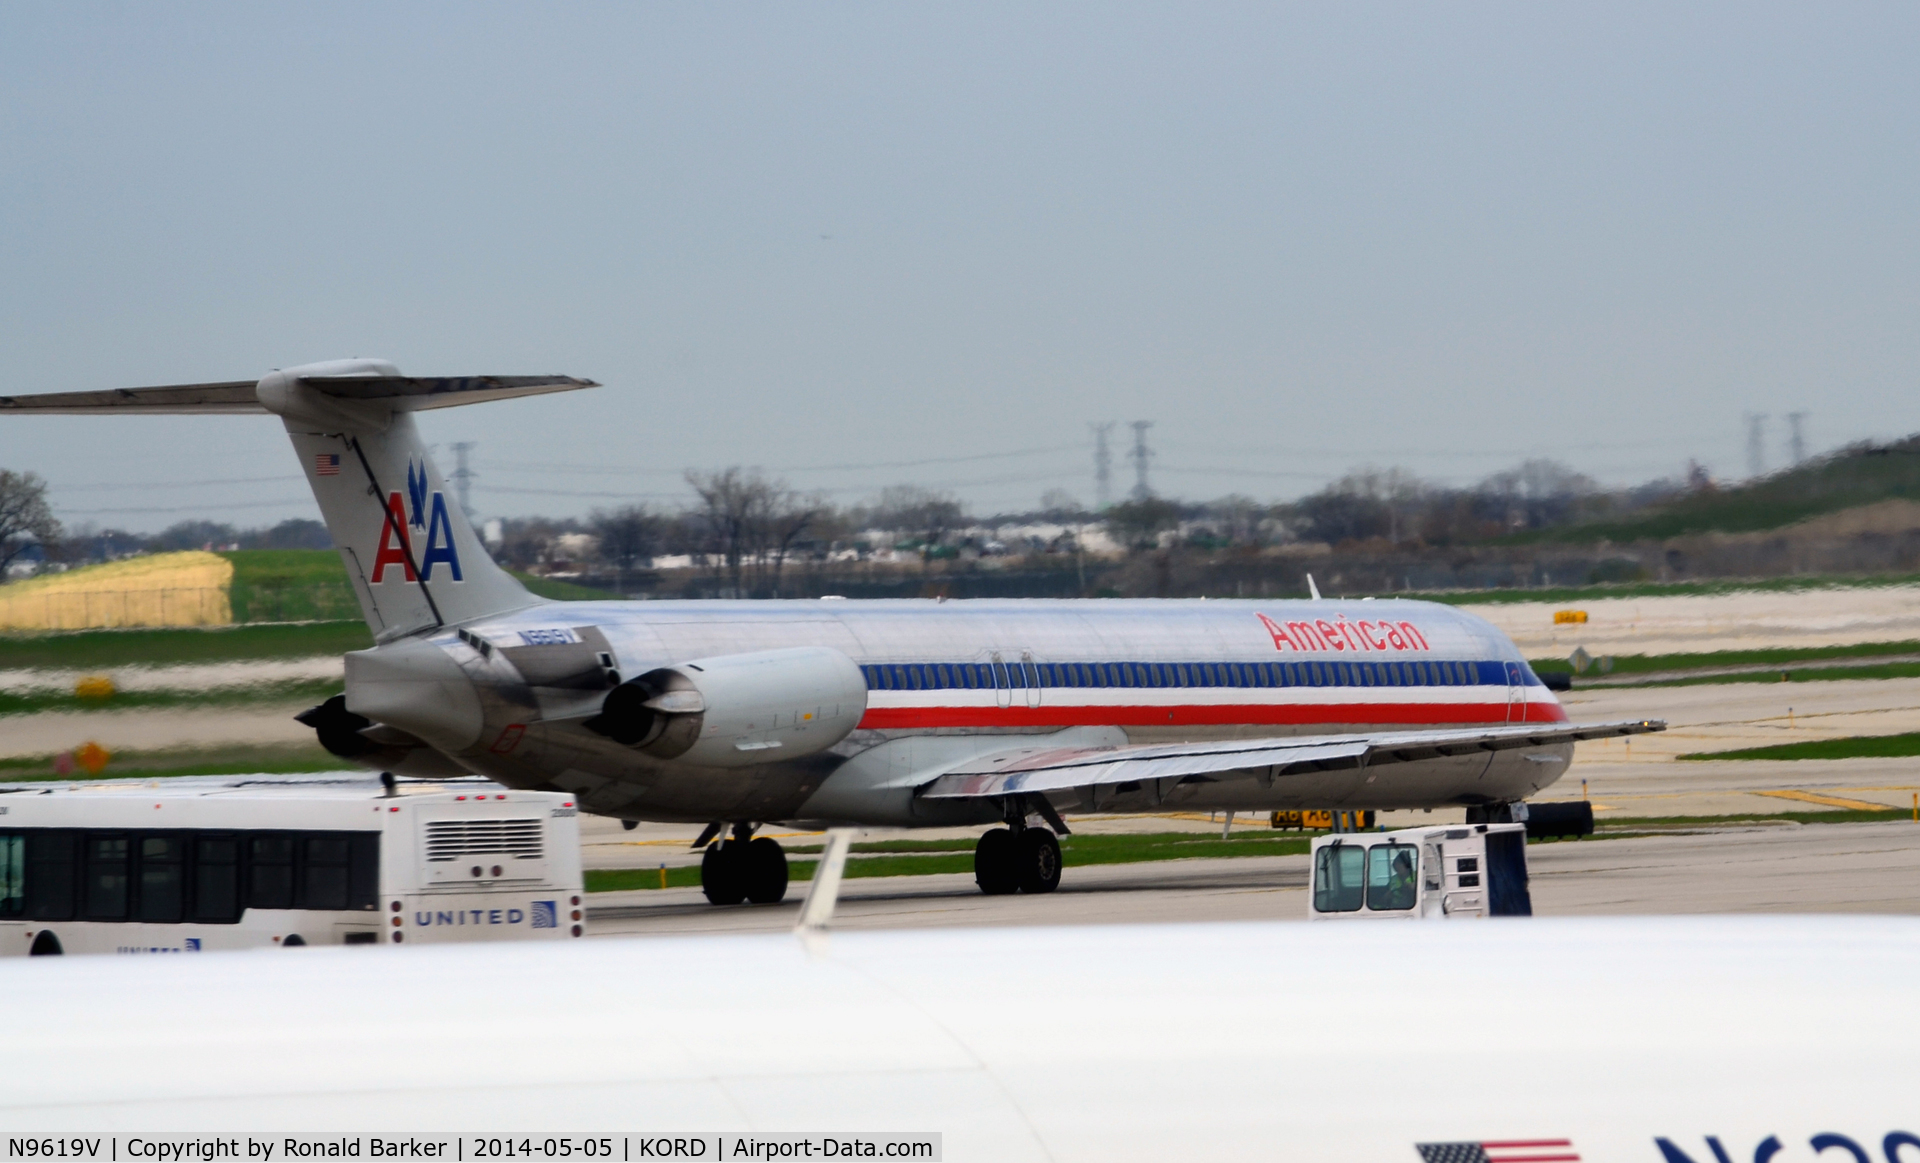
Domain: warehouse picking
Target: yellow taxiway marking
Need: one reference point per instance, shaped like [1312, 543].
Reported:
[1829, 801]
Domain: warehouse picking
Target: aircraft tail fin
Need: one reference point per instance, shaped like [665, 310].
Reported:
[413, 559]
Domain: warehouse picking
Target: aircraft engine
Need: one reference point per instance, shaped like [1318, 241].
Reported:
[738, 709]
[375, 745]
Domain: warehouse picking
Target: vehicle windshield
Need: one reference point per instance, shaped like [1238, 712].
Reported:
[1338, 872]
[1390, 876]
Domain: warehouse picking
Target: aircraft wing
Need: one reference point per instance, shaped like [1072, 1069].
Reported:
[1039, 769]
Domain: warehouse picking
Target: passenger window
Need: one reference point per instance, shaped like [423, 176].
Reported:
[13, 874]
[216, 880]
[1390, 876]
[162, 878]
[1339, 878]
[325, 873]
[270, 872]
[106, 898]
[50, 875]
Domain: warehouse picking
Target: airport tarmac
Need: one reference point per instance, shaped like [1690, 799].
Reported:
[1765, 868]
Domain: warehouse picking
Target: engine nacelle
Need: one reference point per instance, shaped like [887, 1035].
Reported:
[737, 710]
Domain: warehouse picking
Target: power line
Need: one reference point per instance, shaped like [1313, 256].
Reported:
[218, 506]
[1102, 467]
[1140, 455]
[632, 470]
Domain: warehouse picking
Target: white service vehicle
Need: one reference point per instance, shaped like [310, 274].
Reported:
[192, 865]
[1469, 870]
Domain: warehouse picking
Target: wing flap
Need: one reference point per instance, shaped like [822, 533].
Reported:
[1033, 769]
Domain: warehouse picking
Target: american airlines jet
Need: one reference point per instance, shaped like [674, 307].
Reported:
[1007, 714]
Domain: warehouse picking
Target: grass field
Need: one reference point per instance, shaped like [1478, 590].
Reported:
[84, 649]
[1571, 595]
[1851, 747]
[290, 585]
[218, 760]
[262, 694]
[1793, 674]
[1641, 825]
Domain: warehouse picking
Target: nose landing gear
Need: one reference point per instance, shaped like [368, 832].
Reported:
[740, 868]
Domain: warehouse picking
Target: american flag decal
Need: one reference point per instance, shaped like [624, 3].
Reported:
[327, 464]
[1509, 1151]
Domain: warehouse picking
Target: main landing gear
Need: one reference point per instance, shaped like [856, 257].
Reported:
[1020, 857]
[740, 868]
[1006, 861]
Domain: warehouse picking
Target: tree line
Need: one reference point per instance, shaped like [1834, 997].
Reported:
[748, 529]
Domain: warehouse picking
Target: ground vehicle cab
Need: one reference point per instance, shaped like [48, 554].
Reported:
[1475, 870]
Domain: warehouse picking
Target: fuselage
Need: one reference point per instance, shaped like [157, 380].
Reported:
[950, 679]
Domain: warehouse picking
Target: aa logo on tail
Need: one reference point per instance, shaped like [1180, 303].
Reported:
[418, 510]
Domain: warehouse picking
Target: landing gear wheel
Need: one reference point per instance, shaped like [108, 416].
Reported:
[46, 945]
[1038, 860]
[766, 871]
[994, 867]
[722, 875]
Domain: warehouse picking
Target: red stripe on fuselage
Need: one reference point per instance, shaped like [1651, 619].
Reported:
[1203, 715]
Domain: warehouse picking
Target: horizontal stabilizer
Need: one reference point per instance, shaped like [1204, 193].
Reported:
[238, 397]
[1034, 769]
[233, 398]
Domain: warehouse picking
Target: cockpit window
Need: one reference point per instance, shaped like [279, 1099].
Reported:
[1338, 878]
[1391, 869]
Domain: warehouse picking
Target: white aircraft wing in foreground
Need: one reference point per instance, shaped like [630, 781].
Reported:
[1615, 1040]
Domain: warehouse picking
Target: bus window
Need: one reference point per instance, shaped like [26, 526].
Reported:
[270, 869]
[1390, 876]
[1338, 878]
[363, 873]
[50, 875]
[13, 874]
[106, 898]
[162, 878]
[216, 879]
[325, 879]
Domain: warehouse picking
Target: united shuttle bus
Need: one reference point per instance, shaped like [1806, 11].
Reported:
[1010, 715]
[191, 865]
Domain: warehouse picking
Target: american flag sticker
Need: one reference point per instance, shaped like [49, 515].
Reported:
[327, 464]
[1509, 1151]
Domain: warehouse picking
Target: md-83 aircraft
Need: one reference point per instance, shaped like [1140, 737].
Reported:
[733, 714]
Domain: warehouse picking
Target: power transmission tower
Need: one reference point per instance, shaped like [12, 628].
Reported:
[1797, 436]
[1102, 467]
[1756, 443]
[1139, 456]
[462, 477]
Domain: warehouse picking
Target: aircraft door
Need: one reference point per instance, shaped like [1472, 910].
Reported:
[1032, 675]
[1002, 682]
[1516, 694]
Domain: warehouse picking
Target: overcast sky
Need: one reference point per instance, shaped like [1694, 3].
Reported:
[834, 240]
